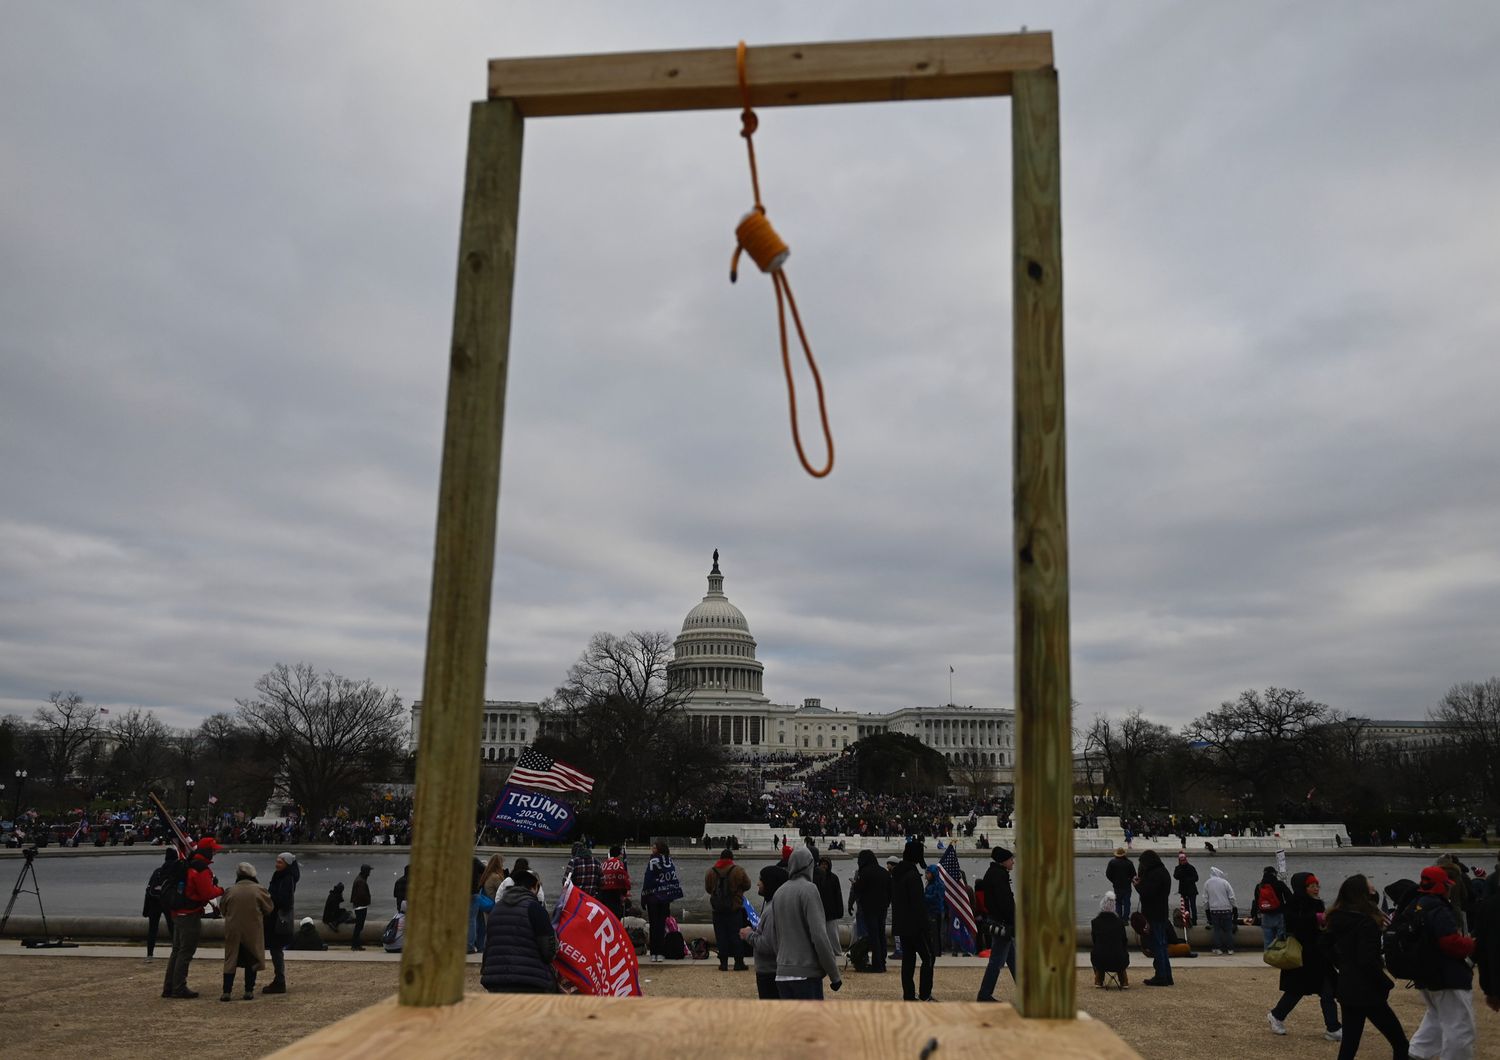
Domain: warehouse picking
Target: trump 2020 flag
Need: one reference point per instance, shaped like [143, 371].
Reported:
[750, 914]
[594, 955]
[956, 898]
[532, 813]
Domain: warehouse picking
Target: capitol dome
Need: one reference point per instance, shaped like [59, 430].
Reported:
[714, 655]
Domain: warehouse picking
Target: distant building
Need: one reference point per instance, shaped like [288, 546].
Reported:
[1407, 736]
[714, 663]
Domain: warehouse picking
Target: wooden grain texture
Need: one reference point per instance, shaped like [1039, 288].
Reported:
[780, 75]
[542, 1027]
[432, 962]
[1044, 735]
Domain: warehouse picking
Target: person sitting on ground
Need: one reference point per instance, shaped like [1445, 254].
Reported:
[1109, 952]
[334, 913]
[520, 942]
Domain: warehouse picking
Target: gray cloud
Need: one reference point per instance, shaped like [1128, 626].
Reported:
[227, 290]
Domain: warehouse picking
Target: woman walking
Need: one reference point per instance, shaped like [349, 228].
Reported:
[1304, 922]
[1352, 946]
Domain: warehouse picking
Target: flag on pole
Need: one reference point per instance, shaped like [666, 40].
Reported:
[594, 954]
[956, 898]
[183, 844]
[950, 669]
[536, 770]
[103, 710]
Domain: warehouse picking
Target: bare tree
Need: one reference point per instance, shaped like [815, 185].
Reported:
[1470, 716]
[142, 756]
[66, 726]
[1271, 743]
[616, 705]
[618, 718]
[1128, 751]
[335, 734]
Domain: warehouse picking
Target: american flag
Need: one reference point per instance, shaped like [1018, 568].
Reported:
[954, 895]
[536, 770]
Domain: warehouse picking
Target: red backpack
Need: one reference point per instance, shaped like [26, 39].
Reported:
[1266, 898]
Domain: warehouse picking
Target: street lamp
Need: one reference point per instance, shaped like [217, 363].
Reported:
[21, 775]
[188, 812]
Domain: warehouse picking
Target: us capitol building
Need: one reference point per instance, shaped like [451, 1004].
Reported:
[714, 662]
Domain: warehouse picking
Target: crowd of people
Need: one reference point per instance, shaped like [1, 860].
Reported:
[1426, 931]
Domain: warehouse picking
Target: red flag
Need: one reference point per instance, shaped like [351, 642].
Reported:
[594, 955]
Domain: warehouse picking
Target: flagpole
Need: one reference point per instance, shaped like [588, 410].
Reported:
[950, 686]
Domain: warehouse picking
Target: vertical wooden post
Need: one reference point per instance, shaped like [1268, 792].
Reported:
[1044, 804]
[432, 961]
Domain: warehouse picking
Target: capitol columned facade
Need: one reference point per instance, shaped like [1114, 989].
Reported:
[715, 669]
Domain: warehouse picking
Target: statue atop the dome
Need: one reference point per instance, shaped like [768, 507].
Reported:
[716, 562]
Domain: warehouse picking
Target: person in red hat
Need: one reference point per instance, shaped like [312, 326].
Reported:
[187, 923]
[1447, 986]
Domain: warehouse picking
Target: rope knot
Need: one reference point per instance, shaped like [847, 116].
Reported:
[755, 236]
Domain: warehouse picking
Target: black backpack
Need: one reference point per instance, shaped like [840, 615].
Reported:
[172, 891]
[1411, 951]
[723, 900]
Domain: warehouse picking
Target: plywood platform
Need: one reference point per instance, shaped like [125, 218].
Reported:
[483, 1025]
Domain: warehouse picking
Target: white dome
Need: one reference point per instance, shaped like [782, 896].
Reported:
[715, 612]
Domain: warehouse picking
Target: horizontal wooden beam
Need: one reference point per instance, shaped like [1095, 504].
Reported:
[780, 75]
[549, 1025]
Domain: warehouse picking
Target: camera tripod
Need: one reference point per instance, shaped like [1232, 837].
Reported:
[45, 941]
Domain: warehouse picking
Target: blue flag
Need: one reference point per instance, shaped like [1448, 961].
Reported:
[532, 813]
[750, 913]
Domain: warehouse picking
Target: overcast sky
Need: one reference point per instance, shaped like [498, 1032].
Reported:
[227, 254]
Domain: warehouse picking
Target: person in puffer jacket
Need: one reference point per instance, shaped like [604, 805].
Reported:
[519, 942]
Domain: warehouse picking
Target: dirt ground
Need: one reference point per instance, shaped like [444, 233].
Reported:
[108, 1007]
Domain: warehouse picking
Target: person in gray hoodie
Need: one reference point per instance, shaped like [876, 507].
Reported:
[799, 935]
[1220, 898]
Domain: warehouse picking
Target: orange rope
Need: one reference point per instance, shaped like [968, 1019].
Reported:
[755, 236]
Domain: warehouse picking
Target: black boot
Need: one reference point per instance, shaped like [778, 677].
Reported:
[276, 986]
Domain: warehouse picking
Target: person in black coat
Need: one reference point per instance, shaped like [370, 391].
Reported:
[1154, 885]
[151, 907]
[1351, 948]
[519, 942]
[1000, 912]
[1486, 925]
[1186, 875]
[1120, 872]
[909, 922]
[1304, 916]
[283, 888]
[870, 893]
[1109, 950]
[334, 913]
[831, 889]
